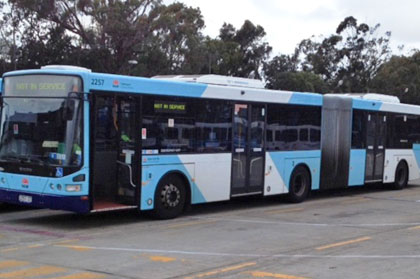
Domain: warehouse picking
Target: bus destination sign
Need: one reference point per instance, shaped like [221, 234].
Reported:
[44, 86]
[169, 107]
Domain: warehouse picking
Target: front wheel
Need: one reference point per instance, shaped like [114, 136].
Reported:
[401, 176]
[299, 185]
[169, 198]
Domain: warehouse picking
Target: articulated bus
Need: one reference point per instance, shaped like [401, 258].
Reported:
[72, 139]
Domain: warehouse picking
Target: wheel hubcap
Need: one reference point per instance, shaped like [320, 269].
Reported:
[170, 196]
[299, 185]
[401, 176]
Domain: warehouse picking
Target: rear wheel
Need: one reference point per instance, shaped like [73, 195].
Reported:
[169, 198]
[299, 185]
[401, 176]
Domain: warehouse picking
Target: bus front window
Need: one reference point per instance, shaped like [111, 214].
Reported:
[41, 121]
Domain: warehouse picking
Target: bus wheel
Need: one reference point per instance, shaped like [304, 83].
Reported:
[299, 185]
[169, 198]
[401, 176]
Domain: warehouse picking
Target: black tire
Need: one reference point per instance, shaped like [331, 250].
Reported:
[299, 185]
[169, 198]
[401, 176]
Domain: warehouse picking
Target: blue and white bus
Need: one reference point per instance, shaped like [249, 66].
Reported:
[76, 140]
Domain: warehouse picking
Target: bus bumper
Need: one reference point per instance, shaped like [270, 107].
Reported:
[78, 204]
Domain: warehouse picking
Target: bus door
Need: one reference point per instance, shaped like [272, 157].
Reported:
[248, 149]
[116, 156]
[375, 143]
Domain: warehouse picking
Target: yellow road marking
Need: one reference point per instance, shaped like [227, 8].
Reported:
[403, 194]
[65, 241]
[343, 243]
[192, 223]
[35, 246]
[9, 250]
[161, 259]
[286, 210]
[221, 270]
[76, 247]
[262, 274]
[9, 264]
[355, 200]
[414, 228]
[33, 272]
[82, 275]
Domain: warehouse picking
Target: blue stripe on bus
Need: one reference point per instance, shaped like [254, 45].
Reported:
[154, 168]
[306, 99]
[367, 104]
[357, 167]
[286, 161]
[416, 151]
[107, 82]
[41, 185]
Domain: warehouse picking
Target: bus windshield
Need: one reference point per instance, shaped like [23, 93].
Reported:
[41, 120]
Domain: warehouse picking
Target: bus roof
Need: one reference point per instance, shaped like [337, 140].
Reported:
[379, 102]
[216, 80]
[236, 89]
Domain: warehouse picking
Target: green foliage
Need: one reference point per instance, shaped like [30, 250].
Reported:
[297, 81]
[346, 61]
[400, 77]
[282, 73]
[238, 52]
[104, 35]
[349, 59]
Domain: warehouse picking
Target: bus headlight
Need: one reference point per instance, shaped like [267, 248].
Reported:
[73, 188]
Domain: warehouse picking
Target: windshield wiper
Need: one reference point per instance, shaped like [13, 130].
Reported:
[12, 158]
[23, 159]
[34, 159]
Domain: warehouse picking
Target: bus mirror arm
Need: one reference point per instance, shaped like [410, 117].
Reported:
[82, 96]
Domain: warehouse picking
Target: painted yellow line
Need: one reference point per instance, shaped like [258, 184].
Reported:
[33, 272]
[76, 247]
[162, 259]
[35, 246]
[65, 241]
[286, 210]
[404, 193]
[192, 223]
[9, 264]
[221, 270]
[414, 228]
[262, 274]
[338, 244]
[82, 275]
[355, 200]
[9, 250]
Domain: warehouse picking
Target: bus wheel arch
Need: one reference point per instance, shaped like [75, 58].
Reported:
[401, 175]
[300, 183]
[171, 196]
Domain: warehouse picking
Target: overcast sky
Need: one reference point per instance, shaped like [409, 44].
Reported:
[287, 22]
